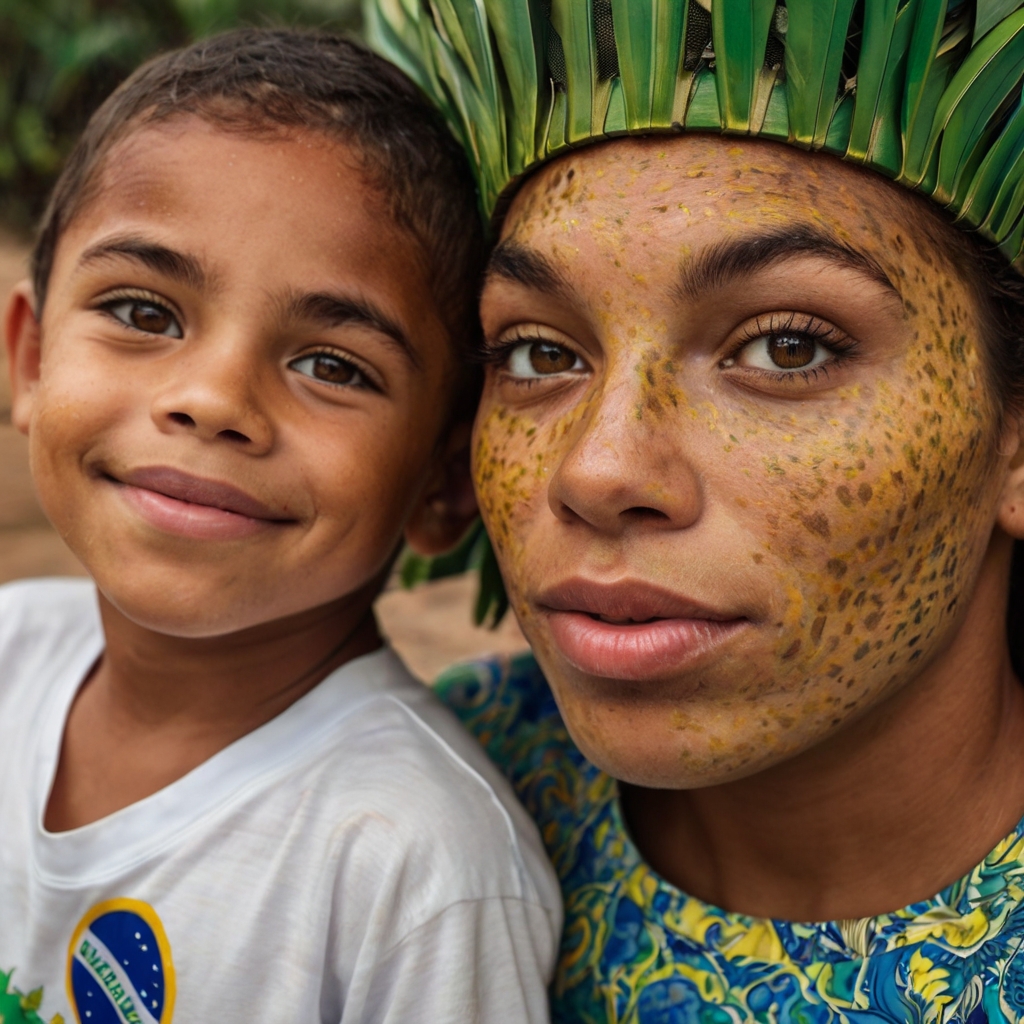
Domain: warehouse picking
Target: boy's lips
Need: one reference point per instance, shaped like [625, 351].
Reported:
[630, 629]
[191, 506]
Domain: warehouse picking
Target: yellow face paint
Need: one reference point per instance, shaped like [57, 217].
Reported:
[776, 438]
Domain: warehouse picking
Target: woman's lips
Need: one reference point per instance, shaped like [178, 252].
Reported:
[194, 507]
[631, 630]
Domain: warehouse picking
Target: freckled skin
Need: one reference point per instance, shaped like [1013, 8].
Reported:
[848, 515]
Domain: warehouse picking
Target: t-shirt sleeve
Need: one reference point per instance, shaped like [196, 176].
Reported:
[480, 961]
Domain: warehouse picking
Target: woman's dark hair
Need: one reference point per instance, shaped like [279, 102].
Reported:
[258, 82]
[1000, 289]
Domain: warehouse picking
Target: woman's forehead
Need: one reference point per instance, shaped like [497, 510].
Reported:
[704, 187]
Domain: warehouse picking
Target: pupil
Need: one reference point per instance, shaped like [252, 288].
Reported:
[548, 358]
[151, 318]
[790, 352]
[333, 370]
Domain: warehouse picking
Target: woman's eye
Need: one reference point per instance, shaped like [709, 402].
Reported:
[775, 352]
[542, 359]
[329, 368]
[149, 317]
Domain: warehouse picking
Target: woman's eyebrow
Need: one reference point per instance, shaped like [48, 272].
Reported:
[515, 262]
[178, 266]
[720, 264]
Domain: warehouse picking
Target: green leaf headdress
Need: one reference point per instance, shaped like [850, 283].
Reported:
[927, 92]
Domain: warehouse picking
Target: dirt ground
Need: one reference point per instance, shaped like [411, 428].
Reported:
[430, 626]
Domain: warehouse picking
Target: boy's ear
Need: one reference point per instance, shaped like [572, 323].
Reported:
[22, 338]
[448, 504]
[1011, 504]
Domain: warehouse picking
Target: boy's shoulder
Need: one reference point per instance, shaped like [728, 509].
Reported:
[46, 603]
[46, 625]
[433, 811]
[507, 704]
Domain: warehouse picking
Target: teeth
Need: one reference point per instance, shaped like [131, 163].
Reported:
[621, 622]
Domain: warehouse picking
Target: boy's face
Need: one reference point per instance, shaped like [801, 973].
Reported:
[241, 381]
[736, 448]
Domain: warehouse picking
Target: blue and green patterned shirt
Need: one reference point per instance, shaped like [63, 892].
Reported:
[636, 950]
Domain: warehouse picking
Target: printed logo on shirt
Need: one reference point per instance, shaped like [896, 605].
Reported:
[119, 966]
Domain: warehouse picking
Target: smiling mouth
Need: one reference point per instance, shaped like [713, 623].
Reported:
[194, 507]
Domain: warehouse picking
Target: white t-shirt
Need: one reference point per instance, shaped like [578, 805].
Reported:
[355, 859]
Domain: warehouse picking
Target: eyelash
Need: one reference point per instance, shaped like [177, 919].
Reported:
[494, 354]
[366, 381]
[841, 345]
[110, 299]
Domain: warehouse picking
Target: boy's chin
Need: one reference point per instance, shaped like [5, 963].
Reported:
[185, 604]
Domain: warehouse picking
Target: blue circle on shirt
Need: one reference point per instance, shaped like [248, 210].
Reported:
[119, 966]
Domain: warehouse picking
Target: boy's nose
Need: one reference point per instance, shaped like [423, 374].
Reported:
[624, 474]
[216, 399]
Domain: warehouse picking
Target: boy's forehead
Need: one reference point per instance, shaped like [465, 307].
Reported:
[299, 197]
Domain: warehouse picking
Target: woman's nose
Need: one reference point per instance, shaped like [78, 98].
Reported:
[625, 472]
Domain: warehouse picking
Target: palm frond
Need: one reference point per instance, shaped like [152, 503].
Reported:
[740, 38]
[928, 92]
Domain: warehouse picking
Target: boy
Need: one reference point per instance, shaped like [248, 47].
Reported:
[751, 452]
[238, 365]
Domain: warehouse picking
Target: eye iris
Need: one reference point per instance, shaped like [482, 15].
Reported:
[332, 370]
[548, 358]
[151, 318]
[789, 351]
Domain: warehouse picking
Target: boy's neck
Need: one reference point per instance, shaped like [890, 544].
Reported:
[157, 706]
[886, 813]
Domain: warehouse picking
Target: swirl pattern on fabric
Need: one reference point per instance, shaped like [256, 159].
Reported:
[636, 950]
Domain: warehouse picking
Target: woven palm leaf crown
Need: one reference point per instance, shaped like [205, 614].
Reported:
[927, 92]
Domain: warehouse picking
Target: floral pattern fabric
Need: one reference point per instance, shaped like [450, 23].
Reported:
[636, 950]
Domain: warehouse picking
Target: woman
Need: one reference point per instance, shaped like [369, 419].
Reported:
[751, 454]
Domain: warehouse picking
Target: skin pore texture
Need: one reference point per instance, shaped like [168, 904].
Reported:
[236, 403]
[754, 503]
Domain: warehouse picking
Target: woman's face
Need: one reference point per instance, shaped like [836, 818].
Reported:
[736, 449]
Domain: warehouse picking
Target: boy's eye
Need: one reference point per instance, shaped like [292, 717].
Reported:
[329, 368]
[542, 359]
[776, 352]
[149, 317]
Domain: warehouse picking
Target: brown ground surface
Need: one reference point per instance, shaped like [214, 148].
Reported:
[429, 626]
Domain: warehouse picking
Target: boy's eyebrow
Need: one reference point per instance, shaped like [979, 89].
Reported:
[515, 262]
[720, 264]
[178, 266]
[327, 310]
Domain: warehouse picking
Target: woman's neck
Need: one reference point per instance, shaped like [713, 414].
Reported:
[891, 810]
[157, 706]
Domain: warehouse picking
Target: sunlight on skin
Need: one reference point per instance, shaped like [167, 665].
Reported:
[845, 513]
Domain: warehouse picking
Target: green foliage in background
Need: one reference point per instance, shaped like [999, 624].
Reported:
[473, 554]
[60, 58]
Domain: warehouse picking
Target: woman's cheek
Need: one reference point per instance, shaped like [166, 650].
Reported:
[874, 523]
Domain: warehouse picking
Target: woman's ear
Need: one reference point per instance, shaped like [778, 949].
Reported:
[448, 505]
[22, 339]
[1011, 505]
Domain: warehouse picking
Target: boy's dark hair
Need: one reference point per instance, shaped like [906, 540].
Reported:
[262, 81]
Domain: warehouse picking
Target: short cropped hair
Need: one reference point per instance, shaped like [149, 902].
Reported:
[259, 82]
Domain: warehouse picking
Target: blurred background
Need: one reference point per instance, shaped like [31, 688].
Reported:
[58, 60]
